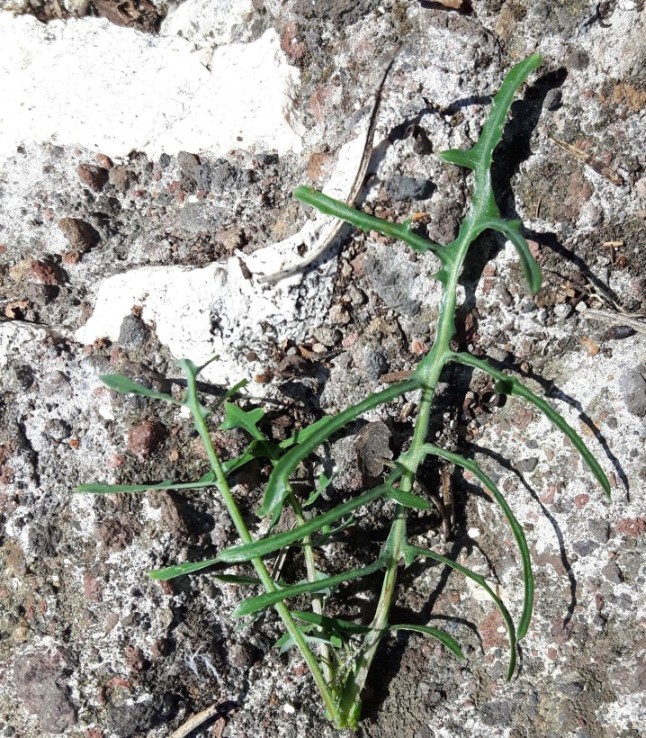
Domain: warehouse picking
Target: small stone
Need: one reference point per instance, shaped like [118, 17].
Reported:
[600, 530]
[187, 162]
[145, 437]
[577, 59]
[231, 238]
[409, 188]
[327, 336]
[164, 161]
[39, 680]
[47, 273]
[133, 332]
[357, 297]
[527, 466]
[103, 161]
[24, 375]
[57, 429]
[563, 311]
[140, 717]
[504, 295]
[94, 177]
[81, 235]
[121, 178]
[339, 314]
[586, 547]
[496, 713]
[612, 573]
[242, 655]
[374, 363]
[634, 390]
[640, 188]
[71, 258]
[498, 354]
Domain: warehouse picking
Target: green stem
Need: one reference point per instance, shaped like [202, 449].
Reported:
[258, 564]
[317, 599]
[350, 704]
[428, 373]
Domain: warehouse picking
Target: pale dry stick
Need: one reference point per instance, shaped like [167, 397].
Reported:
[195, 721]
[619, 318]
[333, 231]
[597, 166]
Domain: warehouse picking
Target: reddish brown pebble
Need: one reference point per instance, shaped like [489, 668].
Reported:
[135, 658]
[581, 500]
[71, 257]
[94, 177]
[103, 161]
[633, 527]
[46, 272]
[145, 437]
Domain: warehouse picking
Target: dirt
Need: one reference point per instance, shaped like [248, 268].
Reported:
[91, 647]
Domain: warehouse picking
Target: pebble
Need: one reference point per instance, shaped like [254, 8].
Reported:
[133, 332]
[563, 311]
[46, 272]
[527, 466]
[80, 234]
[374, 363]
[187, 162]
[145, 437]
[553, 99]
[634, 391]
[24, 375]
[409, 188]
[57, 429]
[612, 573]
[357, 297]
[38, 679]
[327, 336]
[121, 178]
[339, 314]
[94, 177]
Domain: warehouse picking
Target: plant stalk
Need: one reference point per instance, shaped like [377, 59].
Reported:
[258, 564]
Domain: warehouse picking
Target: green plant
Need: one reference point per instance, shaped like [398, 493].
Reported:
[340, 652]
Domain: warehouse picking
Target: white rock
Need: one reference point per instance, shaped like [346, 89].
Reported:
[204, 22]
[87, 82]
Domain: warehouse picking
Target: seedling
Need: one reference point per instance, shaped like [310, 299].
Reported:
[340, 652]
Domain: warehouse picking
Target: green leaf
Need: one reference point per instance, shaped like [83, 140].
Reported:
[285, 642]
[482, 582]
[254, 604]
[323, 483]
[480, 156]
[234, 417]
[170, 572]
[515, 387]
[444, 638]
[237, 579]
[511, 230]
[278, 484]
[462, 158]
[408, 499]
[343, 211]
[264, 546]
[98, 488]
[516, 528]
[127, 386]
[331, 625]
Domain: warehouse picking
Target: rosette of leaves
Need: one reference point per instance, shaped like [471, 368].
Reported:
[340, 652]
